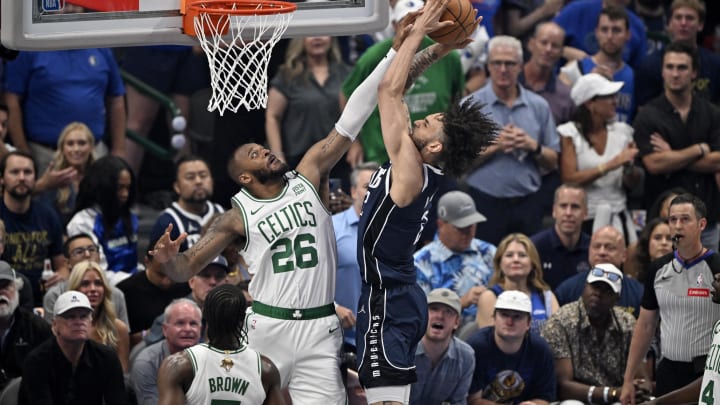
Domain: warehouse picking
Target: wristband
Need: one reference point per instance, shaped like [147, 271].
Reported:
[702, 150]
[538, 150]
[605, 394]
[613, 394]
[590, 394]
[601, 169]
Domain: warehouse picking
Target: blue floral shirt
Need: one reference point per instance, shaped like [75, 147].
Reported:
[439, 267]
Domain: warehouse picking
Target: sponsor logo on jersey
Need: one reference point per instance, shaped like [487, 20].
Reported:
[698, 292]
[299, 189]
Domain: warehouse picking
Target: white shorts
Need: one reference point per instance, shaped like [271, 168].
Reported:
[394, 393]
[306, 354]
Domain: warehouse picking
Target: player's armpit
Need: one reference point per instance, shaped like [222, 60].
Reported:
[271, 383]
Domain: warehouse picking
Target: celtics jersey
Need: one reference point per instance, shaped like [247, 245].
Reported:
[290, 246]
[225, 377]
[710, 388]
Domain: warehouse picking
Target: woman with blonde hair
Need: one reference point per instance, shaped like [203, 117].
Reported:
[517, 267]
[59, 184]
[88, 278]
[303, 102]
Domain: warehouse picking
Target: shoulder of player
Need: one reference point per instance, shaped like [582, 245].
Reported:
[177, 366]
[713, 261]
[269, 372]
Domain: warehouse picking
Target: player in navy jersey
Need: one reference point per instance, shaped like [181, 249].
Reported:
[392, 315]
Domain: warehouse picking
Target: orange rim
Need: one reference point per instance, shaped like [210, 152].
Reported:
[242, 7]
[221, 9]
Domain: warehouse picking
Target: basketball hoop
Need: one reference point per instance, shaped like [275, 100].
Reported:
[237, 37]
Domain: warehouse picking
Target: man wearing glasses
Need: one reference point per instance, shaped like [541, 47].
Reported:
[71, 368]
[590, 339]
[509, 176]
[78, 248]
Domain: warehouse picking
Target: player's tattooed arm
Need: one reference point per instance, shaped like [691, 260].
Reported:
[423, 60]
[181, 266]
[174, 378]
[426, 57]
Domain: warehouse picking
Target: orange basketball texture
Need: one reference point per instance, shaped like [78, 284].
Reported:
[464, 15]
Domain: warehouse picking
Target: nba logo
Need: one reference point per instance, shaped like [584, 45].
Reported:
[52, 5]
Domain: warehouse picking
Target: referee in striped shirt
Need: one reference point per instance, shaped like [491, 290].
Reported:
[677, 290]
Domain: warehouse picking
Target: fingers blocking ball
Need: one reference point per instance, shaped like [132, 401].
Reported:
[464, 16]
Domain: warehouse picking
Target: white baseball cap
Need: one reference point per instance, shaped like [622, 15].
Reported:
[69, 300]
[403, 7]
[458, 209]
[592, 85]
[514, 300]
[606, 273]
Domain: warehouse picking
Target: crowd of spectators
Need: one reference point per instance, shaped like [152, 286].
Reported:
[575, 261]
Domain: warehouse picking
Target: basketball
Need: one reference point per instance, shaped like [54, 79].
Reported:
[463, 14]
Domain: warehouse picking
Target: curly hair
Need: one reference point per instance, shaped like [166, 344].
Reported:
[467, 132]
[104, 315]
[535, 278]
[99, 189]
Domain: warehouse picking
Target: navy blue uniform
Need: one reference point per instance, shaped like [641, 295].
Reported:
[392, 315]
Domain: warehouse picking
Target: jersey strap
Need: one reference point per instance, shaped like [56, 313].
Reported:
[290, 314]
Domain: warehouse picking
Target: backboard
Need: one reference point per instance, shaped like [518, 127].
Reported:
[70, 24]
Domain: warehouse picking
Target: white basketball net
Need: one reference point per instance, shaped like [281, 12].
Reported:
[238, 66]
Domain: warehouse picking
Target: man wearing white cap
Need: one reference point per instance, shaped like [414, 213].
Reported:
[512, 365]
[445, 364]
[456, 259]
[593, 321]
[72, 368]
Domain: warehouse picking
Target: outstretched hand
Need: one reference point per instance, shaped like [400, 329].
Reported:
[165, 248]
[428, 19]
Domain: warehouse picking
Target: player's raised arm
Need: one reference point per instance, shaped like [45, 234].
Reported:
[181, 266]
[404, 150]
[321, 157]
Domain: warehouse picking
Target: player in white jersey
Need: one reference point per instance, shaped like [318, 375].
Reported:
[288, 240]
[223, 370]
[705, 390]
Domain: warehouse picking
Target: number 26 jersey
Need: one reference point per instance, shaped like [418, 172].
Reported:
[289, 246]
